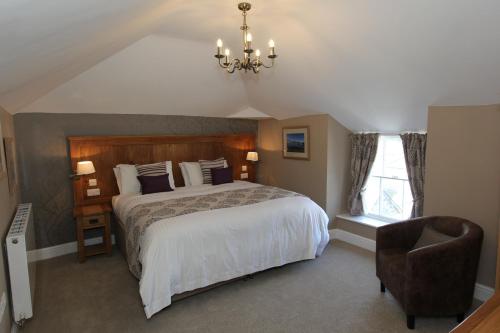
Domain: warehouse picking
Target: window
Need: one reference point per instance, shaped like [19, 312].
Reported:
[388, 195]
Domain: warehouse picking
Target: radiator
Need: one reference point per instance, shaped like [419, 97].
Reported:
[19, 241]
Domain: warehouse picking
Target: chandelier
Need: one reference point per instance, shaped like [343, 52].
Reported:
[249, 60]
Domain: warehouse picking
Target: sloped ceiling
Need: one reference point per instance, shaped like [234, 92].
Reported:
[371, 64]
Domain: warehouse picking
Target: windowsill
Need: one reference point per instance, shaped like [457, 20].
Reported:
[365, 220]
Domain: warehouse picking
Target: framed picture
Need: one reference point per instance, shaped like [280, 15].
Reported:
[296, 142]
[10, 162]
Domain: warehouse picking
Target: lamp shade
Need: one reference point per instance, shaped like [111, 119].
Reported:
[252, 156]
[85, 168]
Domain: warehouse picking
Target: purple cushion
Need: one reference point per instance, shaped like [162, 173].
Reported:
[222, 175]
[154, 184]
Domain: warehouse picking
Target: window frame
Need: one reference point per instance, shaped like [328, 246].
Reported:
[381, 177]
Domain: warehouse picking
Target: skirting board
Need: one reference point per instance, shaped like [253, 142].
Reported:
[61, 249]
[349, 237]
[481, 292]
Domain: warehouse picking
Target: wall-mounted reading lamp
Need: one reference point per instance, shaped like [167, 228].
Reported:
[253, 156]
[83, 168]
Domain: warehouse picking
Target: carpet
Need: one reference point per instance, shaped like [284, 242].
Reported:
[337, 292]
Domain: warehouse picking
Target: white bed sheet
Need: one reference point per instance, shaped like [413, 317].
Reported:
[192, 251]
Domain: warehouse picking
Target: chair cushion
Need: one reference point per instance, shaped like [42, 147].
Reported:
[431, 236]
[392, 270]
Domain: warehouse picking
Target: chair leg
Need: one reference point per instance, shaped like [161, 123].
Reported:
[410, 322]
[460, 317]
[382, 287]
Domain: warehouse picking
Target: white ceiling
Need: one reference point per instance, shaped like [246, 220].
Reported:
[371, 64]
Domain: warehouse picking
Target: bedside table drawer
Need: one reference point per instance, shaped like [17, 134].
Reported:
[93, 221]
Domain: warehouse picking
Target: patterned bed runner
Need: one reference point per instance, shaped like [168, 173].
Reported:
[143, 215]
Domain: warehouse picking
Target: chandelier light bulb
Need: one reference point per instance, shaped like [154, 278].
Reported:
[249, 37]
[219, 42]
[227, 52]
[271, 43]
[257, 53]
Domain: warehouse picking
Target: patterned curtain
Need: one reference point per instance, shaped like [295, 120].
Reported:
[414, 145]
[364, 149]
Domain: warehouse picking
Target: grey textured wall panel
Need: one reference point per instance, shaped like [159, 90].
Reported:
[44, 159]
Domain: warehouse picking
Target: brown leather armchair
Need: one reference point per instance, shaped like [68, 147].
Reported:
[434, 280]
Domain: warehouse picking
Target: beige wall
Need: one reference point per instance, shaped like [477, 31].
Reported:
[338, 168]
[463, 172]
[8, 204]
[323, 177]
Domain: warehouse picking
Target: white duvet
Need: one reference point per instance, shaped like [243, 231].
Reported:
[196, 250]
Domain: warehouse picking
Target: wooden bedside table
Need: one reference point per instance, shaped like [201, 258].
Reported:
[93, 217]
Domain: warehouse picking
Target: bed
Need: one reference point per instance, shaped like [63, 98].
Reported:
[180, 242]
[195, 250]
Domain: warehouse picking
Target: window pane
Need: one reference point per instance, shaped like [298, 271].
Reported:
[371, 203]
[391, 198]
[394, 162]
[408, 201]
[377, 168]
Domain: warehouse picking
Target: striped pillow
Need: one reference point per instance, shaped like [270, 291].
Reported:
[207, 165]
[157, 169]
[154, 169]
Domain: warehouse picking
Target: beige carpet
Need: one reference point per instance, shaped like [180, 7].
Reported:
[337, 292]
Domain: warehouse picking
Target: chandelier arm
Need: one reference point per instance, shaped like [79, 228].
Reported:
[255, 64]
[222, 65]
[264, 65]
[230, 68]
[234, 65]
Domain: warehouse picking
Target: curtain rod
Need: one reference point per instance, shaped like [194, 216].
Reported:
[391, 133]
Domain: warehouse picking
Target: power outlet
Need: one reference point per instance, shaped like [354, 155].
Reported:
[243, 168]
[93, 192]
[244, 176]
[92, 182]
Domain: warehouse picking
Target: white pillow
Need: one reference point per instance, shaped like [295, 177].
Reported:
[128, 179]
[193, 171]
[184, 175]
[170, 174]
[116, 171]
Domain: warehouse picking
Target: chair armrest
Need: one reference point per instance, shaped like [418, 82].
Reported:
[436, 261]
[441, 270]
[400, 235]
[440, 278]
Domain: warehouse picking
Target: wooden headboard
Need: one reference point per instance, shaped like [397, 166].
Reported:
[107, 151]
